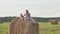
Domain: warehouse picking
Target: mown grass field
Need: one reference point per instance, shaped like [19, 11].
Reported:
[48, 28]
[4, 28]
[45, 28]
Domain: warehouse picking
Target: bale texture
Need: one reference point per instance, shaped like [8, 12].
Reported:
[18, 26]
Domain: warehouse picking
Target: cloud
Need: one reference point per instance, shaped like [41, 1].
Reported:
[40, 8]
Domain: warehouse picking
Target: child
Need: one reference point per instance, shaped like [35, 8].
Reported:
[21, 16]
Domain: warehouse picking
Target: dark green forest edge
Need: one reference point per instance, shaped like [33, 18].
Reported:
[38, 19]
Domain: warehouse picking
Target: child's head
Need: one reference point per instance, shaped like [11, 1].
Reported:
[21, 14]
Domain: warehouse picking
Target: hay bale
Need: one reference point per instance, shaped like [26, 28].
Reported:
[18, 26]
[54, 22]
[12, 24]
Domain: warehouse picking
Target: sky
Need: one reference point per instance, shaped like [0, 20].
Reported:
[37, 8]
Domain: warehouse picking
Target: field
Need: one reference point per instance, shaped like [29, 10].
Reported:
[4, 28]
[45, 28]
[48, 28]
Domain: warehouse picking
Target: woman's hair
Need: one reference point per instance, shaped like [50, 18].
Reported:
[26, 11]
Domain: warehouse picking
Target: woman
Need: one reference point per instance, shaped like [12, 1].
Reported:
[27, 16]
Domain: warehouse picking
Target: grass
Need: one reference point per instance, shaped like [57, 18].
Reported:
[45, 28]
[48, 28]
[4, 28]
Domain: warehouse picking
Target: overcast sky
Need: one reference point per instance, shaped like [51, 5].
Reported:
[37, 8]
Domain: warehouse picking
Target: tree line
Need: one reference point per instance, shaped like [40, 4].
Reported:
[38, 19]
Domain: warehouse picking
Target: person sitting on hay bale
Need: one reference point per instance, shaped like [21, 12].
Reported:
[27, 16]
[21, 17]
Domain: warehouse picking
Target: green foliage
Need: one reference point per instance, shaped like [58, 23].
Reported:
[38, 19]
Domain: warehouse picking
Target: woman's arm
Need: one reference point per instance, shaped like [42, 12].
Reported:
[24, 14]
